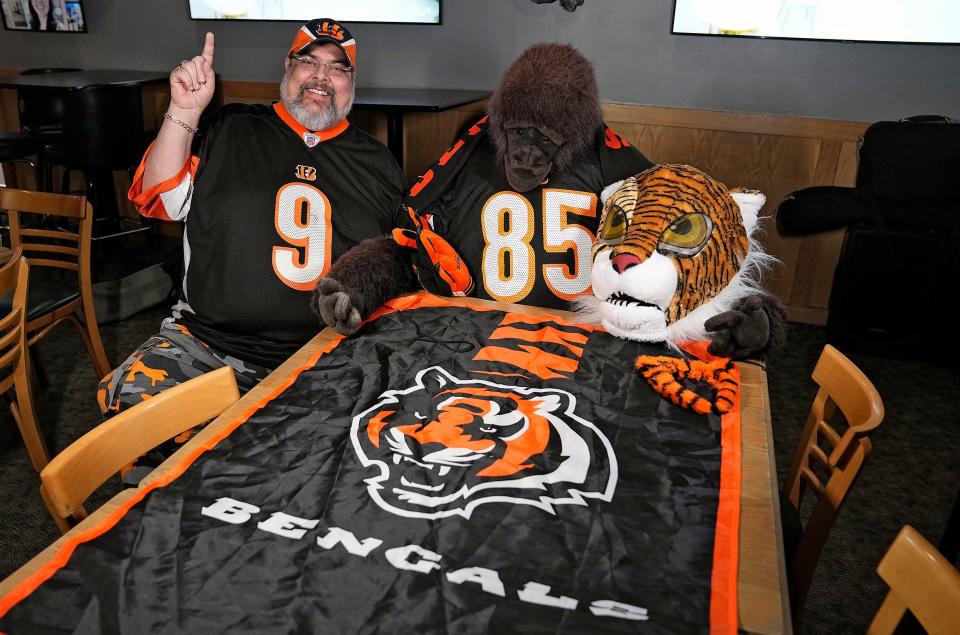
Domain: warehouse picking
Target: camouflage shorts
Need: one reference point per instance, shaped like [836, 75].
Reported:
[168, 358]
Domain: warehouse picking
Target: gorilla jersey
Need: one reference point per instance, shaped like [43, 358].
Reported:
[530, 248]
[268, 206]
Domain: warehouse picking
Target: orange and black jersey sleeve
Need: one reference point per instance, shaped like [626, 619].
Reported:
[440, 177]
[531, 247]
[618, 158]
[169, 199]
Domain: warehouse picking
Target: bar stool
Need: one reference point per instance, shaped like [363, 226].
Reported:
[42, 112]
[16, 147]
[102, 132]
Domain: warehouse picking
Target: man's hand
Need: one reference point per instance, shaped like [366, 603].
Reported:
[192, 83]
[334, 306]
[749, 330]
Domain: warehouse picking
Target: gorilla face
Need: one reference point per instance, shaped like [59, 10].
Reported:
[530, 153]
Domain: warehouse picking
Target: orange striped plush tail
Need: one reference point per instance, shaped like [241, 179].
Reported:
[665, 375]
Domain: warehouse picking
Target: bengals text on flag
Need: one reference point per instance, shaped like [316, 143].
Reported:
[448, 470]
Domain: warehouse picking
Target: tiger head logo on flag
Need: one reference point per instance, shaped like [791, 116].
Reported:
[444, 446]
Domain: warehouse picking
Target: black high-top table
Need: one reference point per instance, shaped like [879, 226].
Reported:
[396, 101]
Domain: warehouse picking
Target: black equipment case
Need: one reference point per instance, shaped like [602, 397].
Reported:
[899, 270]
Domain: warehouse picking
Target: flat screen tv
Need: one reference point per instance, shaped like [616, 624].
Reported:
[900, 21]
[400, 11]
[54, 16]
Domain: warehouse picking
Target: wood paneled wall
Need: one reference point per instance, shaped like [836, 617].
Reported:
[774, 154]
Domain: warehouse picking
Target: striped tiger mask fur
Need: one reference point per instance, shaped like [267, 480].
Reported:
[674, 248]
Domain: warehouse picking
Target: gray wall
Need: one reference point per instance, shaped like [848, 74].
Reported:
[638, 60]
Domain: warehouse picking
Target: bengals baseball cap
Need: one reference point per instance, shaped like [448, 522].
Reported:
[324, 30]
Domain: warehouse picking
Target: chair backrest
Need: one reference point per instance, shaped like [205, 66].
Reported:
[15, 372]
[13, 280]
[53, 247]
[922, 581]
[103, 127]
[89, 461]
[838, 457]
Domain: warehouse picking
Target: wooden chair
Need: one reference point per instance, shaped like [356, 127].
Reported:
[14, 362]
[88, 462]
[921, 580]
[53, 300]
[838, 456]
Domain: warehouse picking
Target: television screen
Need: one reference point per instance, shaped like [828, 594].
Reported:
[410, 11]
[44, 15]
[906, 21]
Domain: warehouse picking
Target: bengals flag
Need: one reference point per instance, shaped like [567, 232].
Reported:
[447, 470]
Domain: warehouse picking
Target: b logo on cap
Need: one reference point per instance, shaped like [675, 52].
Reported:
[331, 30]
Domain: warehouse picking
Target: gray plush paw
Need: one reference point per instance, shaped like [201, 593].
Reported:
[334, 306]
[739, 334]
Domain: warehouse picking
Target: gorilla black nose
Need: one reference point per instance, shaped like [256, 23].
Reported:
[622, 262]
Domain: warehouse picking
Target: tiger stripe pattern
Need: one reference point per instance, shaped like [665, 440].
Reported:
[651, 212]
[666, 374]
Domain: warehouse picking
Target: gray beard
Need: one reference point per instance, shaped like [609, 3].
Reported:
[326, 117]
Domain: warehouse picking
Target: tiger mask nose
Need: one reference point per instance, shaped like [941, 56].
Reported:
[622, 262]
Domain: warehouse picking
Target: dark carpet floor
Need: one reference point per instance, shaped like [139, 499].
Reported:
[912, 476]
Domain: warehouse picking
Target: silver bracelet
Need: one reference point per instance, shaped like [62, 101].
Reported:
[182, 124]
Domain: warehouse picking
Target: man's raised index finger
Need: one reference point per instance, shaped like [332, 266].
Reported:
[208, 48]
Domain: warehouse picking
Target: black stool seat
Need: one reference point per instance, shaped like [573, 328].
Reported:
[17, 145]
[45, 70]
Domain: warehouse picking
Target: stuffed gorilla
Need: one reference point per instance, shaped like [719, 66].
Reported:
[509, 212]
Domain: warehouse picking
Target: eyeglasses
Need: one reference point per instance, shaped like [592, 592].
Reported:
[305, 62]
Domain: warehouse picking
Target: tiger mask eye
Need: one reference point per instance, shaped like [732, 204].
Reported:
[686, 236]
[614, 225]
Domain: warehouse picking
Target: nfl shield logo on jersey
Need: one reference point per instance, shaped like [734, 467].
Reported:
[310, 139]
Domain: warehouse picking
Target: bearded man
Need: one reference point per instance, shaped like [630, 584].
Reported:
[271, 196]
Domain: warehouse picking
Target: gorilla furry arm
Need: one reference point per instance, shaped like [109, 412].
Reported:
[365, 277]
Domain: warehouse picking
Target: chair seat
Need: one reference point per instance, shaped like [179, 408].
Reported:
[48, 292]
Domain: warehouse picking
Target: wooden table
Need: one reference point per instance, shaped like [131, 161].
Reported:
[762, 587]
[763, 600]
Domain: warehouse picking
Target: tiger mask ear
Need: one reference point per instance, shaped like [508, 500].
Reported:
[750, 203]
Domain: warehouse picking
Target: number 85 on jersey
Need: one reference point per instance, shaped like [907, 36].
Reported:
[509, 263]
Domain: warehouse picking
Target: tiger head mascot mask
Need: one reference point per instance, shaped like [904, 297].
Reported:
[674, 248]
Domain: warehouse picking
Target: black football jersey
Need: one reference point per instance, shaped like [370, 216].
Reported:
[530, 248]
[268, 207]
